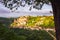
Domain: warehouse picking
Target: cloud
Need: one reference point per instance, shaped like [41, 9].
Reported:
[23, 11]
[3, 9]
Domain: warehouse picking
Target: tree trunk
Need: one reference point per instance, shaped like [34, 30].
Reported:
[56, 13]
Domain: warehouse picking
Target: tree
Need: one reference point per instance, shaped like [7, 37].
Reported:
[55, 6]
[56, 12]
[11, 4]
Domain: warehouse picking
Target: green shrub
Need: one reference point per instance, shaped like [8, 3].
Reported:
[7, 34]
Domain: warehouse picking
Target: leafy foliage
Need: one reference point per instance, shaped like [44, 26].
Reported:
[53, 33]
[7, 34]
[22, 34]
[6, 21]
[40, 21]
[11, 4]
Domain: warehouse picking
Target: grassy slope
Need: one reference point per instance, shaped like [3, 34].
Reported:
[20, 34]
[23, 34]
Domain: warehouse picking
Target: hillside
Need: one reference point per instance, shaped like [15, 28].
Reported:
[31, 21]
[19, 33]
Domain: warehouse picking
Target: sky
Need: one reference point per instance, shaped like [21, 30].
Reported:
[24, 11]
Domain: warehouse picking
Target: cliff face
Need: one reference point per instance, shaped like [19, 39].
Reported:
[33, 22]
[19, 22]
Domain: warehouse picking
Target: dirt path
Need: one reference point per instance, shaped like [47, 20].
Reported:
[50, 34]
